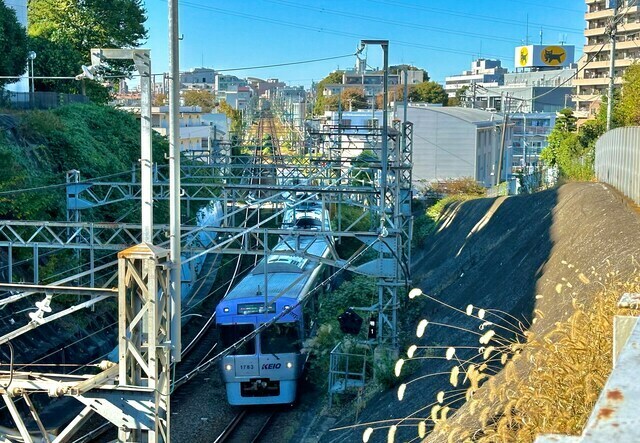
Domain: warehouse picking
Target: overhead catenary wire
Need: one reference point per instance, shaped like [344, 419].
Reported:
[614, 21]
[389, 21]
[325, 30]
[275, 65]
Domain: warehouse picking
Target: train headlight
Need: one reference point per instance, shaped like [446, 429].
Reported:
[286, 307]
[225, 310]
[228, 367]
[289, 365]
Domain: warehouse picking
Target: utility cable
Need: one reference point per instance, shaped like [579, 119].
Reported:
[301, 62]
[62, 185]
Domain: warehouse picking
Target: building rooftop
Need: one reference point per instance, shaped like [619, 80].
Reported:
[469, 115]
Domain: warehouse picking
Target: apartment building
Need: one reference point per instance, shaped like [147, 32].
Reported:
[593, 81]
[483, 72]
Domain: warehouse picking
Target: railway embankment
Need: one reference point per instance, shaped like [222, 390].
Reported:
[548, 267]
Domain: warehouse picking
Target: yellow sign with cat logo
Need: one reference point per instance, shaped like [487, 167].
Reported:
[553, 55]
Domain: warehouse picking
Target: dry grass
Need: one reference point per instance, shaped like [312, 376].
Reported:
[520, 384]
[568, 368]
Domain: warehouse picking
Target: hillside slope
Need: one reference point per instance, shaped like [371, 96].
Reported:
[510, 254]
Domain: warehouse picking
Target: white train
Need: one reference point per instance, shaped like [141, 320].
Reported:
[265, 369]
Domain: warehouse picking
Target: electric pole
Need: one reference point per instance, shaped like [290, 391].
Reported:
[613, 27]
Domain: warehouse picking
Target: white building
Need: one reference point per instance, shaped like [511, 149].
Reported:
[484, 72]
[530, 136]
[453, 142]
[224, 83]
[198, 78]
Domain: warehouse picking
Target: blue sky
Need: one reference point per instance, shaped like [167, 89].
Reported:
[441, 36]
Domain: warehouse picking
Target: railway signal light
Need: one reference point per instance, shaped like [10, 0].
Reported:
[350, 322]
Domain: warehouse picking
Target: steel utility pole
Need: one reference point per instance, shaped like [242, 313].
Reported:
[612, 62]
[174, 181]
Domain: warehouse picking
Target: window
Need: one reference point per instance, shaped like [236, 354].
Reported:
[230, 334]
[280, 338]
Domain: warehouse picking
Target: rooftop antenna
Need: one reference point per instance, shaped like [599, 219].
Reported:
[526, 39]
[540, 35]
[563, 39]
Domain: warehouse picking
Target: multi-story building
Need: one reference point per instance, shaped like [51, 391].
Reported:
[238, 99]
[225, 83]
[454, 142]
[593, 81]
[198, 78]
[264, 88]
[371, 83]
[484, 72]
[530, 136]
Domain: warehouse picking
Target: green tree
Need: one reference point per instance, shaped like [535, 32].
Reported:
[398, 70]
[571, 152]
[353, 98]
[629, 107]
[429, 92]
[160, 99]
[566, 121]
[64, 31]
[236, 125]
[13, 45]
[89, 23]
[334, 78]
[202, 98]
[460, 97]
[55, 59]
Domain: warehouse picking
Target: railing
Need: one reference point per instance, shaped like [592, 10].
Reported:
[347, 370]
[38, 100]
[618, 160]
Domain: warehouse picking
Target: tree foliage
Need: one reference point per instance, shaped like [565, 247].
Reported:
[348, 99]
[334, 78]
[13, 45]
[199, 97]
[89, 23]
[572, 152]
[429, 92]
[566, 121]
[397, 70]
[97, 140]
[629, 107]
[64, 31]
[236, 125]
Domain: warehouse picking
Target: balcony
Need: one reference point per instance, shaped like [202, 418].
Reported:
[595, 15]
[604, 64]
[594, 32]
[597, 81]
[629, 44]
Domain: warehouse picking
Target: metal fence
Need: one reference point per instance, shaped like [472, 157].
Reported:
[618, 160]
[38, 100]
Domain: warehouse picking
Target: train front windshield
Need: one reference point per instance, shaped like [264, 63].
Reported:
[280, 338]
[230, 334]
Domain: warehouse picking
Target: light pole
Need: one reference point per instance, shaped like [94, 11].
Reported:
[32, 86]
[174, 180]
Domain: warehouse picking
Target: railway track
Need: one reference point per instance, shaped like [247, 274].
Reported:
[246, 427]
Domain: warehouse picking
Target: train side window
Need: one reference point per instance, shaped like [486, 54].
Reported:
[280, 338]
[230, 334]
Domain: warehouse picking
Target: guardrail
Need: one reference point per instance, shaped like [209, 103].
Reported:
[618, 160]
[615, 416]
[39, 100]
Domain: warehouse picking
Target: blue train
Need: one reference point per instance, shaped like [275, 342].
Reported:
[265, 369]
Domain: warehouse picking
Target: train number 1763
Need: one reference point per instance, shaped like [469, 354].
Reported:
[246, 367]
